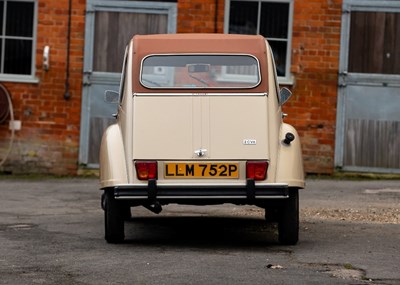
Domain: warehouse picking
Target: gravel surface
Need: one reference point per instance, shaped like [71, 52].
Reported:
[367, 215]
[365, 201]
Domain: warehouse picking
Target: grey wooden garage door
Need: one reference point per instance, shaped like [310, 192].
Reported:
[368, 129]
[109, 27]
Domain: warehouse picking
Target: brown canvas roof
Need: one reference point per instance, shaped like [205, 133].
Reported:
[198, 43]
[144, 45]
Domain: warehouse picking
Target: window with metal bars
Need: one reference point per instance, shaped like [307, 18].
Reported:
[17, 22]
[271, 19]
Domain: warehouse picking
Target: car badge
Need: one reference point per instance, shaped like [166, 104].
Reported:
[249, 142]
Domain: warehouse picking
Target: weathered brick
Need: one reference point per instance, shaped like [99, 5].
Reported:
[41, 107]
[49, 139]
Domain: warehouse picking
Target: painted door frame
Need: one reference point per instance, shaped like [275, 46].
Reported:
[346, 78]
[113, 79]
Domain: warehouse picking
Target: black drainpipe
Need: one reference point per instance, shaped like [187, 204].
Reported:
[67, 94]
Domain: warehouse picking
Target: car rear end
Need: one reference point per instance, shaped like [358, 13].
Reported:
[205, 127]
[200, 130]
[201, 149]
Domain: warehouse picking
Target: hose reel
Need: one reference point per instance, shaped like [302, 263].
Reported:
[6, 111]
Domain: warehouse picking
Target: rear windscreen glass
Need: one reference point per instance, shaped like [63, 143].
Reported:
[200, 71]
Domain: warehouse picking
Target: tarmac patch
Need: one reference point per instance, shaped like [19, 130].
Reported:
[382, 191]
[20, 227]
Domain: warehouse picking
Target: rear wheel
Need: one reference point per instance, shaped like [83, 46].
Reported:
[127, 214]
[113, 218]
[272, 214]
[288, 224]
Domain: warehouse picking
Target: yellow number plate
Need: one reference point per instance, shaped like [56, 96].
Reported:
[201, 170]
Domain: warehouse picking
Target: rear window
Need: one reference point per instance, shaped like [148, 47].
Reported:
[205, 71]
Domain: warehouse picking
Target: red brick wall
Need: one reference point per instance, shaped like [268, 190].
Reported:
[315, 64]
[198, 16]
[315, 59]
[49, 139]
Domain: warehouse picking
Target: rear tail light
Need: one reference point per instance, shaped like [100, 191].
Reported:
[256, 170]
[146, 170]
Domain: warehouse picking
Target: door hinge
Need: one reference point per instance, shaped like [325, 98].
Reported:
[342, 79]
[86, 78]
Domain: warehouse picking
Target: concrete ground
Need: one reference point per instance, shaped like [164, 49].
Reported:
[51, 232]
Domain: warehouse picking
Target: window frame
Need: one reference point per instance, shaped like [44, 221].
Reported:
[22, 78]
[288, 78]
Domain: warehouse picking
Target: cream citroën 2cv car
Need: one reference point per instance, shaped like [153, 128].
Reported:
[199, 122]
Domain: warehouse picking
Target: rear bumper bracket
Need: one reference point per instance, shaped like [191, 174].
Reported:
[250, 190]
[152, 190]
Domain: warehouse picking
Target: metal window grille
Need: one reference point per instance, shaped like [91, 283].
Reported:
[271, 19]
[17, 37]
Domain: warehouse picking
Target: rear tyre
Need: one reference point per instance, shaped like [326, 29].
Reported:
[288, 225]
[272, 214]
[113, 219]
[127, 214]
